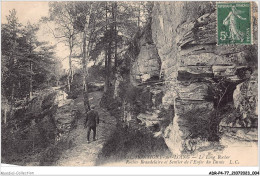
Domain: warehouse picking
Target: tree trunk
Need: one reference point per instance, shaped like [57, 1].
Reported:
[115, 32]
[85, 61]
[12, 100]
[12, 62]
[5, 114]
[84, 66]
[106, 71]
[31, 80]
[106, 59]
[70, 70]
[109, 53]
[139, 14]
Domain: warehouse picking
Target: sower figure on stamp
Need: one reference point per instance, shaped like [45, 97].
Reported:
[231, 21]
[92, 120]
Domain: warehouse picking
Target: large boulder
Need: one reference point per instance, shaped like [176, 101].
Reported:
[147, 64]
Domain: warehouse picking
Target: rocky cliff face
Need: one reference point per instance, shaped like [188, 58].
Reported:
[185, 36]
[188, 86]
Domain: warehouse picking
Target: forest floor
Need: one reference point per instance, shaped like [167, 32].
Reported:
[81, 153]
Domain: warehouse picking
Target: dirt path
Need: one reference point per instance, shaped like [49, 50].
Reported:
[81, 153]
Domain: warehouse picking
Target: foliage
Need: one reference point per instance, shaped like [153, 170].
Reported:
[128, 143]
[24, 58]
[202, 124]
[29, 131]
[53, 153]
[120, 28]
[62, 13]
[95, 75]
[220, 91]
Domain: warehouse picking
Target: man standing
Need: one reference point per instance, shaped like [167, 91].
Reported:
[91, 122]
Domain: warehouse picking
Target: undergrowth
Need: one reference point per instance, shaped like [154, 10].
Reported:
[128, 143]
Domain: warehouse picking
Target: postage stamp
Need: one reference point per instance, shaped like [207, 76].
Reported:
[234, 23]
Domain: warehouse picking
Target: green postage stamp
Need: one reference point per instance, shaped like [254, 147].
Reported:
[234, 23]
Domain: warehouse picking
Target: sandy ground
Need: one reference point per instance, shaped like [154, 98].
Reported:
[82, 153]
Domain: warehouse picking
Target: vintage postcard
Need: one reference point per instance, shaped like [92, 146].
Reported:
[129, 83]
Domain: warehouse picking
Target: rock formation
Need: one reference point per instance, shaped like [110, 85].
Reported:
[184, 79]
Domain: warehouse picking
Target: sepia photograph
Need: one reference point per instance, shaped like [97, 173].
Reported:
[129, 83]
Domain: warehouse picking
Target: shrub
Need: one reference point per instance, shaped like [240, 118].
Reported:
[125, 143]
[202, 123]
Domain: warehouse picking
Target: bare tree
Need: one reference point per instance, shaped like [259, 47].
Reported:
[85, 23]
[62, 14]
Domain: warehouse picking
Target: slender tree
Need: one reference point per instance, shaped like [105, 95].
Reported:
[85, 19]
[106, 56]
[32, 44]
[62, 14]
